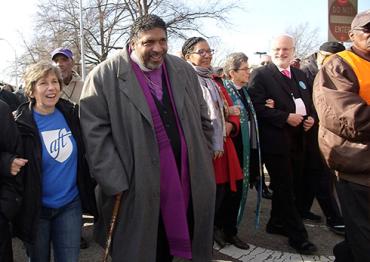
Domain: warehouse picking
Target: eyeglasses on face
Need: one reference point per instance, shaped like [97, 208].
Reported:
[203, 52]
[246, 69]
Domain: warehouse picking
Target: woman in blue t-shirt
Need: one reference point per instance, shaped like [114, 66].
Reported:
[58, 186]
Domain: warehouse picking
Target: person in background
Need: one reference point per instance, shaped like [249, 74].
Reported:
[148, 137]
[11, 187]
[318, 177]
[226, 122]
[316, 61]
[72, 88]
[265, 60]
[342, 98]
[72, 82]
[282, 133]
[296, 62]
[57, 183]
[9, 98]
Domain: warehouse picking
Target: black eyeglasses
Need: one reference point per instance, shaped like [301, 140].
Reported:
[203, 52]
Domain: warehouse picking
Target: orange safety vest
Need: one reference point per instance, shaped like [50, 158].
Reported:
[361, 67]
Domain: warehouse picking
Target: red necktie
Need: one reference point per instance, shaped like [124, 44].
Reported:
[286, 72]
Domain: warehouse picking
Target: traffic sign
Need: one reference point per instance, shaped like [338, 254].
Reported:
[341, 14]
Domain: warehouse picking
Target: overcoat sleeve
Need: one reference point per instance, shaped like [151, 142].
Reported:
[338, 103]
[104, 161]
[9, 140]
[234, 120]
[258, 91]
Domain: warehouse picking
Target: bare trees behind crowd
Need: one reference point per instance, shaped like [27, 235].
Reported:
[106, 24]
[307, 39]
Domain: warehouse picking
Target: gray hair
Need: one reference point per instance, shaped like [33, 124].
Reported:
[233, 62]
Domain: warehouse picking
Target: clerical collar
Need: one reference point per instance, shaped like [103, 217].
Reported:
[137, 60]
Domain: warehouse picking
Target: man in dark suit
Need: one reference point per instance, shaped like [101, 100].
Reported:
[282, 132]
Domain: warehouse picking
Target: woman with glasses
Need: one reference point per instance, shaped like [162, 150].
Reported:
[247, 143]
[225, 121]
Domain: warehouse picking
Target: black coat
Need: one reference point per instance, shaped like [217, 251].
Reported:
[26, 221]
[311, 69]
[10, 186]
[268, 82]
[9, 98]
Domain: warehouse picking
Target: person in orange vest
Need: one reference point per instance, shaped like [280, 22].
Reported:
[342, 97]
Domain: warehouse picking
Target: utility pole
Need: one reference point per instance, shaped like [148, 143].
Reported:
[260, 53]
[82, 61]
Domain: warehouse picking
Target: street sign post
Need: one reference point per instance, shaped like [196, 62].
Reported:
[340, 16]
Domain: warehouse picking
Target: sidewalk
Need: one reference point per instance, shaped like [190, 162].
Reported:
[264, 247]
[268, 247]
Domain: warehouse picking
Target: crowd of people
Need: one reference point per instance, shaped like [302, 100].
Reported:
[162, 150]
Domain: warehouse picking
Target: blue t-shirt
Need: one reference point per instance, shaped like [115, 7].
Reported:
[59, 160]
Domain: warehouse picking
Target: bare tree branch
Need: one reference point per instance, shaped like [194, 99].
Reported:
[307, 39]
[107, 23]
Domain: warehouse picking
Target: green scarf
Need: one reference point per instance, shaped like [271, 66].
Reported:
[250, 137]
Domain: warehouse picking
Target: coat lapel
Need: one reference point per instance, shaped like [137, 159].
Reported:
[177, 85]
[131, 88]
[278, 76]
[305, 94]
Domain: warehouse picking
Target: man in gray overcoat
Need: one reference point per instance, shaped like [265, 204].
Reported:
[148, 137]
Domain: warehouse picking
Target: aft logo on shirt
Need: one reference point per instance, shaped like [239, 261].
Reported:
[58, 144]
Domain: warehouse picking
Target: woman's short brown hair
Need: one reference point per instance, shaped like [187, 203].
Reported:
[37, 71]
[233, 62]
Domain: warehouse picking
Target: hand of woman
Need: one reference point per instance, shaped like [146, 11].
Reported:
[234, 110]
[217, 154]
[229, 128]
[16, 165]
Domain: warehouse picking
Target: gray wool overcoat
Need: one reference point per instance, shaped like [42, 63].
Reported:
[123, 156]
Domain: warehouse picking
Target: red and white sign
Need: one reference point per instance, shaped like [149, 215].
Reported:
[341, 14]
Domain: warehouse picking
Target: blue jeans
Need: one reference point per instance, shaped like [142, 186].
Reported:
[61, 227]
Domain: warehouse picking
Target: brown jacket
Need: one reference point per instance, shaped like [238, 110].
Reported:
[344, 133]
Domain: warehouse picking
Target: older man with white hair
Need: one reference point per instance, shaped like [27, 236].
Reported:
[282, 133]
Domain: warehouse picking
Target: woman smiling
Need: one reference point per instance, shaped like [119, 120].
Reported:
[57, 182]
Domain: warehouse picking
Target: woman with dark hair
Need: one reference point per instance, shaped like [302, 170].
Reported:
[57, 183]
[225, 120]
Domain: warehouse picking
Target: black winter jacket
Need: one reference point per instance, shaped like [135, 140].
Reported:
[10, 186]
[26, 220]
